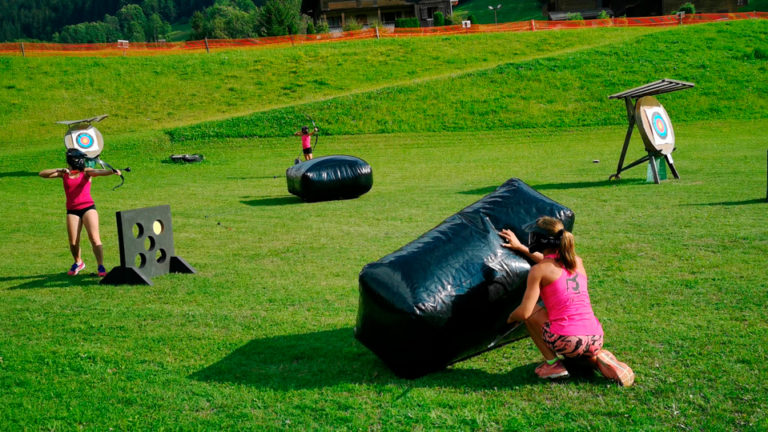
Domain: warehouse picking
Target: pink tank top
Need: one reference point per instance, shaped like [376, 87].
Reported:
[567, 302]
[78, 192]
[306, 141]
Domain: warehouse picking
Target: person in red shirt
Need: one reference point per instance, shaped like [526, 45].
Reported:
[81, 210]
[306, 141]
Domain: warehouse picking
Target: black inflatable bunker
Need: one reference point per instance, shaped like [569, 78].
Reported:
[446, 296]
[330, 178]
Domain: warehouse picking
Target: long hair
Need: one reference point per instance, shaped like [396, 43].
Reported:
[567, 249]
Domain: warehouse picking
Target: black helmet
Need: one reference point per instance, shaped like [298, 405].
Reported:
[540, 239]
[305, 129]
[76, 159]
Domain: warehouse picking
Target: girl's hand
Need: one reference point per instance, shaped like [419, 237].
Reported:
[510, 319]
[63, 171]
[511, 240]
[117, 172]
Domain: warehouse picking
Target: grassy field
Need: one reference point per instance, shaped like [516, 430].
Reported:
[261, 337]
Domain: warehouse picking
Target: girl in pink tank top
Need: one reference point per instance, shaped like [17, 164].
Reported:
[306, 141]
[81, 210]
[566, 326]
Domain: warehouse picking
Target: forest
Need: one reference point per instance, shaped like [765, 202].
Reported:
[99, 21]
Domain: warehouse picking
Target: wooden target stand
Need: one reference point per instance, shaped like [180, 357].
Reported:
[653, 123]
[145, 237]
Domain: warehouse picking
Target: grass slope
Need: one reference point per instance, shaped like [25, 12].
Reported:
[563, 90]
[261, 337]
[145, 93]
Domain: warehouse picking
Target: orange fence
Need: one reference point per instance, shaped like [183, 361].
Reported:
[145, 48]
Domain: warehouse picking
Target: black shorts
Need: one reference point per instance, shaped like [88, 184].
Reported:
[308, 150]
[80, 212]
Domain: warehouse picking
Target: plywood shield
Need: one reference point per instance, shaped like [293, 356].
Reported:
[654, 125]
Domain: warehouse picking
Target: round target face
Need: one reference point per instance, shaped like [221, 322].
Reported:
[659, 125]
[84, 140]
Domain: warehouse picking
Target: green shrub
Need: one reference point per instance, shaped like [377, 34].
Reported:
[688, 8]
[310, 27]
[351, 25]
[576, 16]
[439, 19]
[603, 15]
[407, 22]
[322, 26]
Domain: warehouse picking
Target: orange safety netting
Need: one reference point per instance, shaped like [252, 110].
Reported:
[145, 48]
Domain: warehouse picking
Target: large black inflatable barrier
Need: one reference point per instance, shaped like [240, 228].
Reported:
[330, 178]
[446, 296]
[145, 237]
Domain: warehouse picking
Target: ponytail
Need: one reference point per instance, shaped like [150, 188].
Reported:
[567, 251]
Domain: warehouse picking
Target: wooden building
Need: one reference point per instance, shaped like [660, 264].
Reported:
[558, 9]
[366, 12]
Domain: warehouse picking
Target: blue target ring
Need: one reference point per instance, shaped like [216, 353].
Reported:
[84, 140]
[659, 125]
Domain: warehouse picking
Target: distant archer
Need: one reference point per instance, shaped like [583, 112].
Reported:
[306, 141]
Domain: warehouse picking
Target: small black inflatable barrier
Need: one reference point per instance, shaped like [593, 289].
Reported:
[187, 158]
[330, 178]
[446, 296]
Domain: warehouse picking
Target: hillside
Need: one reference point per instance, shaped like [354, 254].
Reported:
[563, 89]
[149, 93]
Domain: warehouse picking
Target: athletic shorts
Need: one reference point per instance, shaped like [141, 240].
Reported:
[572, 346]
[308, 151]
[80, 212]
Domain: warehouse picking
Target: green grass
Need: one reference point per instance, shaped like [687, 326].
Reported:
[562, 89]
[261, 337]
[143, 93]
[518, 10]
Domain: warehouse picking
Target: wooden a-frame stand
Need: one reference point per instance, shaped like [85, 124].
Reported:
[654, 88]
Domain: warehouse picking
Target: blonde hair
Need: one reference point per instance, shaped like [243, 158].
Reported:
[567, 250]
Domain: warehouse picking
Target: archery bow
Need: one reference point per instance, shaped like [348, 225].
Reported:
[122, 178]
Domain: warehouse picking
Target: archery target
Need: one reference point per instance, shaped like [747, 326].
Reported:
[655, 127]
[660, 125]
[88, 141]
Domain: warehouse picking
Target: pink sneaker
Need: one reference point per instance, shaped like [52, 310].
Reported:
[76, 268]
[614, 369]
[551, 371]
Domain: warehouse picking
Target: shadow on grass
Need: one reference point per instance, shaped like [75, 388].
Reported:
[564, 186]
[734, 203]
[53, 280]
[268, 177]
[18, 174]
[332, 357]
[273, 201]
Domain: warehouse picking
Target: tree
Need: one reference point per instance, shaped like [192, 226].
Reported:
[223, 21]
[279, 18]
[155, 28]
[132, 22]
[439, 19]
[688, 8]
